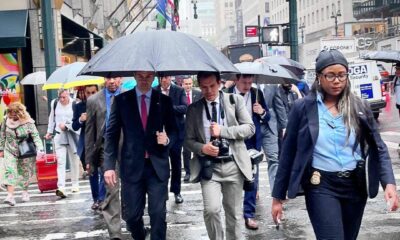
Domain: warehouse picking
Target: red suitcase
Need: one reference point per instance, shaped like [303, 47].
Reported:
[46, 172]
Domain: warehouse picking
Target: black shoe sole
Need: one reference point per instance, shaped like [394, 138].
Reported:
[60, 194]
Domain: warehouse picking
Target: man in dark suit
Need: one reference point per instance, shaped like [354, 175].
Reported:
[79, 122]
[178, 97]
[98, 109]
[255, 105]
[146, 119]
[192, 95]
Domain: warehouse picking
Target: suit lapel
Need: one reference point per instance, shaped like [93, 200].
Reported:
[312, 116]
[102, 101]
[154, 111]
[199, 119]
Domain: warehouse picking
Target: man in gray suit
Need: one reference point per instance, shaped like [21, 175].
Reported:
[221, 168]
[270, 130]
[98, 108]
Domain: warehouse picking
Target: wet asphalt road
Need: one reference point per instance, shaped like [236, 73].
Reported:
[47, 217]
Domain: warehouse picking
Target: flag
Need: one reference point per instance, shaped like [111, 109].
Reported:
[164, 13]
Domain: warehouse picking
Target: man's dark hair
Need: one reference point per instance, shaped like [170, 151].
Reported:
[203, 75]
[93, 85]
[244, 76]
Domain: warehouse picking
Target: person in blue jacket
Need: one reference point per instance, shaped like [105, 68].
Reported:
[333, 154]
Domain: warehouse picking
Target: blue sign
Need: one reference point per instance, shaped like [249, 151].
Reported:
[366, 91]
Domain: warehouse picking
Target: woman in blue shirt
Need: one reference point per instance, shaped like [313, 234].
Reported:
[331, 142]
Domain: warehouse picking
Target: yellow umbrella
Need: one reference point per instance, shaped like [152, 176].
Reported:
[66, 77]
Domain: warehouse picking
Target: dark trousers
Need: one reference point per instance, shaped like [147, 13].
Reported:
[134, 201]
[97, 185]
[335, 207]
[187, 155]
[250, 198]
[176, 166]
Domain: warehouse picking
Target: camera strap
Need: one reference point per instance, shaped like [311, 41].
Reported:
[221, 109]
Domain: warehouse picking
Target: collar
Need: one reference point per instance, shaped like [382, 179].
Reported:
[319, 98]
[237, 91]
[139, 93]
[108, 93]
[216, 100]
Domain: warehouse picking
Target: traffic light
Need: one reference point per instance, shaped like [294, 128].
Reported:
[270, 35]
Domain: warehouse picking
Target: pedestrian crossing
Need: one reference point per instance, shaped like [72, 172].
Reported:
[48, 217]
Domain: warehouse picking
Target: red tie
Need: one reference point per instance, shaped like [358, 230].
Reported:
[143, 111]
[188, 97]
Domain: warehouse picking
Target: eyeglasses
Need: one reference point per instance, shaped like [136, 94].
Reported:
[331, 77]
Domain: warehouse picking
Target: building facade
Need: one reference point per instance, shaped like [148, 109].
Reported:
[81, 27]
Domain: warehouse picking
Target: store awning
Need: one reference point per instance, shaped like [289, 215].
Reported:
[13, 28]
[73, 28]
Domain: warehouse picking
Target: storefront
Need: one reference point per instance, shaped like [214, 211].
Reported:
[15, 56]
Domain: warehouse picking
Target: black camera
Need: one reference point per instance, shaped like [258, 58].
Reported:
[223, 145]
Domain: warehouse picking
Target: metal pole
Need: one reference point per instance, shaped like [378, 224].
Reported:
[49, 43]
[147, 4]
[294, 52]
[144, 18]
[259, 34]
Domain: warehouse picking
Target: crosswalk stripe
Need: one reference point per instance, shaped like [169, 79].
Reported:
[390, 133]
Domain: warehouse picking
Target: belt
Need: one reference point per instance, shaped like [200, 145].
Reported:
[341, 174]
[57, 132]
[222, 159]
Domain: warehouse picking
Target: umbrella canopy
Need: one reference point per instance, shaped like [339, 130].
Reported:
[67, 77]
[169, 52]
[383, 56]
[266, 73]
[292, 65]
[35, 78]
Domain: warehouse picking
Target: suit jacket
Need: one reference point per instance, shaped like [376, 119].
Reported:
[125, 115]
[256, 140]
[96, 111]
[298, 147]
[239, 127]
[179, 102]
[78, 109]
[196, 95]
[276, 108]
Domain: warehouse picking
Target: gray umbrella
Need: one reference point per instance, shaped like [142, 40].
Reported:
[169, 52]
[287, 63]
[267, 73]
[383, 56]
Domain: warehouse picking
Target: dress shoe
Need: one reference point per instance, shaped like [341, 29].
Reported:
[251, 223]
[178, 198]
[60, 193]
[186, 178]
[95, 206]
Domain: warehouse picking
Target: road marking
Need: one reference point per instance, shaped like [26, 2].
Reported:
[390, 133]
[43, 221]
[46, 203]
[392, 145]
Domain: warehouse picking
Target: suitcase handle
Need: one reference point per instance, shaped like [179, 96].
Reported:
[47, 161]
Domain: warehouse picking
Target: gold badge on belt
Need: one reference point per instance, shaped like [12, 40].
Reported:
[315, 178]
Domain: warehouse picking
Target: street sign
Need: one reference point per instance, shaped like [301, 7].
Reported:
[270, 35]
[251, 31]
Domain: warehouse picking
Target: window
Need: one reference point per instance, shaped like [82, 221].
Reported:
[231, 4]
[322, 14]
[308, 20]
[317, 16]
[226, 4]
[267, 7]
[313, 20]
[327, 12]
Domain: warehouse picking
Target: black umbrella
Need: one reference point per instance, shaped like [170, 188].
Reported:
[168, 52]
[383, 56]
[287, 63]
